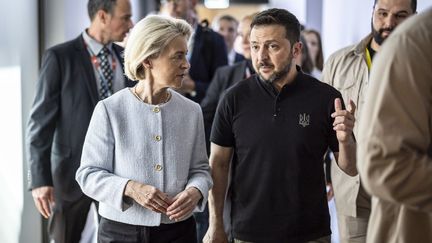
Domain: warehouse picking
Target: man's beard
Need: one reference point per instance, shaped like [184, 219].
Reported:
[276, 75]
[377, 34]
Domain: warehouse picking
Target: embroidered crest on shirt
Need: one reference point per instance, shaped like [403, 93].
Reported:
[304, 119]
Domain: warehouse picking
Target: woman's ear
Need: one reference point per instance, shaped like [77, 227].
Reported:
[147, 64]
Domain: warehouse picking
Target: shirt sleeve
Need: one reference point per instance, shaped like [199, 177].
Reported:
[222, 129]
[42, 121]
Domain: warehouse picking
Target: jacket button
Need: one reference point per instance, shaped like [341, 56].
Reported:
[157, 138]
[156, 109]
[158, 167]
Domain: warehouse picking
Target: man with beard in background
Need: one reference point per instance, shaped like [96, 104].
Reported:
[348, 71]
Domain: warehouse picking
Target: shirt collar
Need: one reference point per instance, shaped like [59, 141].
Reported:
[231, 56]
[270, 88]
[360, 48]
[94, 46]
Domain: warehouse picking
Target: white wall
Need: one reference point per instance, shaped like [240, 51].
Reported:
[66, 19]
[346, 22]
[297, 7]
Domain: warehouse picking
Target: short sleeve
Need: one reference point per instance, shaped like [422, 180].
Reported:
[222, 130]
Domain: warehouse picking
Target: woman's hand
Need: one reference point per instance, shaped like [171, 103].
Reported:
[184, 203]
[148, 196]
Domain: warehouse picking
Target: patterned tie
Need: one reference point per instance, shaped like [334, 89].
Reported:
[107, 72]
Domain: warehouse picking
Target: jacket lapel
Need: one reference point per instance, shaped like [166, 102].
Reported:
[88, 76]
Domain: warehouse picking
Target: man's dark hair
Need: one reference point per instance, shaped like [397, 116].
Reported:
[277, 16]
[95, 5]
[413, 5]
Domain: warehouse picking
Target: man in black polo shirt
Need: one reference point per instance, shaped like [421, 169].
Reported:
[278, 125]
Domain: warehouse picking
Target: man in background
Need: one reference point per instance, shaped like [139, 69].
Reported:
[227, 76]
[348, 71]
[73, 77]
[395, 152]
[227, 25]
[207, 50]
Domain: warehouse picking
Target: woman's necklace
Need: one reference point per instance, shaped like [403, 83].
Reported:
[167, 96]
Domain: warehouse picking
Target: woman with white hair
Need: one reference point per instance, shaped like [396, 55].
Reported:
[144, 157]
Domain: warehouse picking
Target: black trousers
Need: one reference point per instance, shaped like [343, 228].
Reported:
[68, 219]
[116, 232]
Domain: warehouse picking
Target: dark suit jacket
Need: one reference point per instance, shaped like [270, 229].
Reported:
[66, 95]
[209, 53]
[238, 57]
[224, 78]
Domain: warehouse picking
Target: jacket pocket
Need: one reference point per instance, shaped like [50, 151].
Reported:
[348, 88]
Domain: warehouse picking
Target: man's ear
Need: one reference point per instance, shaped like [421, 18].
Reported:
[102, 16]
[297, 49]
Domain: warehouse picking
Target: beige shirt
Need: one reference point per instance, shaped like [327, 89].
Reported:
[347, 71]
[395, 133]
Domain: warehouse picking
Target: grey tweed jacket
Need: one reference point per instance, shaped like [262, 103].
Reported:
[162, 146]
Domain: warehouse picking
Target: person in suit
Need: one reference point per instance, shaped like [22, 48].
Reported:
[227, 25]
[227, 76]
[141, 161]
[207, 50]
[73, 77]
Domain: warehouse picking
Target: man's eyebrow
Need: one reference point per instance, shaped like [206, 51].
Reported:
[399, 12]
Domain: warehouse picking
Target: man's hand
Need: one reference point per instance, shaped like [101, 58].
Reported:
[344, 121]
[184, 204]
[148, 196]
[44, 199]
[215, 234]
[343, 125]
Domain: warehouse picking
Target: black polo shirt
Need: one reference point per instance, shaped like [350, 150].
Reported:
[278, 184]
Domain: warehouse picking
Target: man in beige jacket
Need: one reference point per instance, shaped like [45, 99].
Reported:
[395, 133]
[348, 71]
